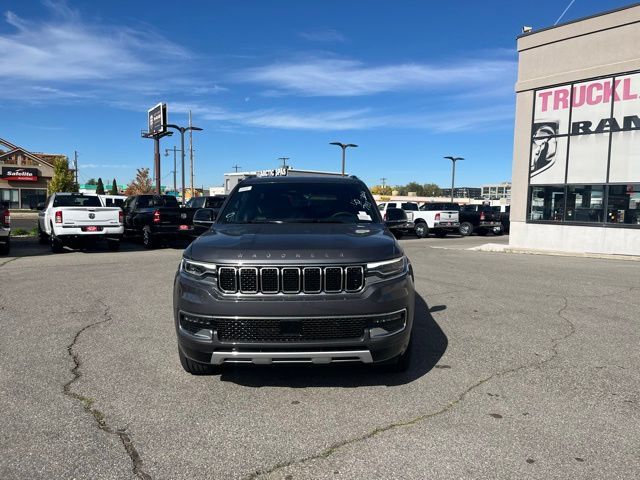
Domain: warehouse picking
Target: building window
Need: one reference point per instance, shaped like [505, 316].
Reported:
[623, 204]
[546, 203]
[585, 203]
[10, 196]
[29, 198]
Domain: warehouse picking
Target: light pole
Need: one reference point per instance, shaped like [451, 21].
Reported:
[344, 147]
[182, 130]
[453, 173]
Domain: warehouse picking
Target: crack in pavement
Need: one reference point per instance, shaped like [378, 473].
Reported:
[88, 402]
[406, 423]
[9, 261]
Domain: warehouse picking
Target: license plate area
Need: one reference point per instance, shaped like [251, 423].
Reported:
[184, 227]
[91, 228]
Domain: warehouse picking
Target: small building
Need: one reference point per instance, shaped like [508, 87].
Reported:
[233, 178]
[576, 161]
[497, 191]
[24, 175]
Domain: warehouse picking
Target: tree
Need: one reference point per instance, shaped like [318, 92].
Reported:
[92, 181]
[431, 190]
[100, 187]
[380, 190]
[63, 179]
[114, 188]
[402, 190]
[141, 184]
[415, 187]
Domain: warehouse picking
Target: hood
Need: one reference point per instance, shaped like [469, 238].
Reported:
[294, 243]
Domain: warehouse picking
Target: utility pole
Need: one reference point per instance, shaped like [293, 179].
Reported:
[75, 167]
[284, 161]
[383, 180]
[175, 165]
[191, 153]
[236, 167]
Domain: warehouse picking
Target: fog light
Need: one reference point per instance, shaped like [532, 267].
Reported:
[387, 325]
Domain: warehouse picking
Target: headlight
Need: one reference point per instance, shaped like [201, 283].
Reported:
[388, 268]
[197, 269]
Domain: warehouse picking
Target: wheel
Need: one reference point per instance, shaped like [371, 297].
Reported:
[5, 248]
[441, 233]
[113, 245]
[401, 363]
[196, 368]
[42, 236]
[497, 231]
[147, 238]
[466, 229]
[421, 229]
[398, 234]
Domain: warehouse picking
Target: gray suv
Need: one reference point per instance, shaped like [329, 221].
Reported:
[295, 270]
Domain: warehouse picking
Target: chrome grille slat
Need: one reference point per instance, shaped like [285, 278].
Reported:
[312, 279]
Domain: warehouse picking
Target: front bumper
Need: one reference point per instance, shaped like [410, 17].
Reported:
[374, 301]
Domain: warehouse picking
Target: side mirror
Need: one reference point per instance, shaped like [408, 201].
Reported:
[204, 217]
[40, 206]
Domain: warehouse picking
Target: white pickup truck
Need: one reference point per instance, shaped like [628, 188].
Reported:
[439, 222]
[69, 218]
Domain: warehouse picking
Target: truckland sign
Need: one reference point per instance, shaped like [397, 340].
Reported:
[584, 130]
[158, 119]
[19, 174]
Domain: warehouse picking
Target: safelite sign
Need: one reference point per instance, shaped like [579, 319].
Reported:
[17, 174]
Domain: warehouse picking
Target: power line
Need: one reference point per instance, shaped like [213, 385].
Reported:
[236, 167]
[564, 12]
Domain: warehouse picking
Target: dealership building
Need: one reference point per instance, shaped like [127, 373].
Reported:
[24, 175]
[576, 165]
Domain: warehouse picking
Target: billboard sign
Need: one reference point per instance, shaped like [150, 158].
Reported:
[18, 174]
[276, 172]
[158, 119]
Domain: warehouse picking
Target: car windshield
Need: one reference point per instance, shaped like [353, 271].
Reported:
[214, 202]
[301, 202]
[76, 201]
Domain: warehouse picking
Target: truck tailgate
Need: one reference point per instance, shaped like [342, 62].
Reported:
[448, 216]
[176, 215]
[99, 216]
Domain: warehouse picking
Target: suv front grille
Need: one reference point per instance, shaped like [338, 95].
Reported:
[275, 330]
[290, 280]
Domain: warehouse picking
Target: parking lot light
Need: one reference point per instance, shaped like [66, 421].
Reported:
[453, 173]
[344, 147]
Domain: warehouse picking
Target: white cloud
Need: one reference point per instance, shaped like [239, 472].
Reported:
[344, 77]
[66, 57]
[326, 35]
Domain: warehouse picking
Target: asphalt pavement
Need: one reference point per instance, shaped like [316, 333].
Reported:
[524, 367]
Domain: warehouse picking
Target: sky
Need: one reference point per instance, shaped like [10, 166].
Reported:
[408, 81]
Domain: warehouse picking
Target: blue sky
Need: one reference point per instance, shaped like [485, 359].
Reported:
[409, 81]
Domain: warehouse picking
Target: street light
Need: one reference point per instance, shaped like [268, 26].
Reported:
[182, 130]
[344, 147]
[453, 173]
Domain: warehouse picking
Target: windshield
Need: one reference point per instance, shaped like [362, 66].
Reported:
[303, 202]
[76, 201]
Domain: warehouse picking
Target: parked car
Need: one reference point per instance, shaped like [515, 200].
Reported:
[437, 218]
[69, 219]
[408, 207]
[505, 220]
[397, 222]
[295, 270]
[112, 200]
[5, 229]
[480, 219]
[207, 201]
[156, 218]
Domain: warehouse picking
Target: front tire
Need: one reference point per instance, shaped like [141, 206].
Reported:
[42, 236]
[466, 229]
[421, 229]
[196, 368]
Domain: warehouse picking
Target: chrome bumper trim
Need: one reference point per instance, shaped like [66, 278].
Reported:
[267, 358]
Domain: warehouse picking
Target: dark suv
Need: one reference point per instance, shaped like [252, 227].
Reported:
[295, 270]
